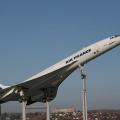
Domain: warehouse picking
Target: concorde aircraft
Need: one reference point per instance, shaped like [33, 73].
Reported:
[43, 86]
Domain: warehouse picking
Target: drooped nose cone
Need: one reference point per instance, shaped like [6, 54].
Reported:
[109, 43]
[115, 39]
[118, 39]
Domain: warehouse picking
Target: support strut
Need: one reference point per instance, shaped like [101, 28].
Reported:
[23, 110]
[23, 105]
[84, 93]
[46, 92]
[47, 111]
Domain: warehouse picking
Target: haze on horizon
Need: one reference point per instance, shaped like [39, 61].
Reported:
[37, 34]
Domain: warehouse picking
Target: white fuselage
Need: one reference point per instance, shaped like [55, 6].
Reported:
[83, 56]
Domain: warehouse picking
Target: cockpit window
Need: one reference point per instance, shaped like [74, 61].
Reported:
[114, 36]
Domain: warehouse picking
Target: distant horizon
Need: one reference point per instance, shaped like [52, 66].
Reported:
[77, 110]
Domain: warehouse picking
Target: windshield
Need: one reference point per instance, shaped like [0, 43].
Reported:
[114, 36]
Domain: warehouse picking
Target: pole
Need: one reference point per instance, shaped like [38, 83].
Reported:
[23, 105]
[85, 99]
[23, 110]
[84, 93]
[48, 111]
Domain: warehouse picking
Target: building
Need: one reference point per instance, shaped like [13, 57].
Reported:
[63, 110]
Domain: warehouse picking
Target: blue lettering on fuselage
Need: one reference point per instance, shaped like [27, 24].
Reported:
[78, 55]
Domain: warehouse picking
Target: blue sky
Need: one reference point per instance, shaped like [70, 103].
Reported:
[36, 34]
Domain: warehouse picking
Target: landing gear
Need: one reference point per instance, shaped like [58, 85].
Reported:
[84, 93]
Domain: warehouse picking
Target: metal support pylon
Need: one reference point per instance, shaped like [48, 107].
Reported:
[47, 111]
[23, 110]
[84, 93]
[23, 106]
